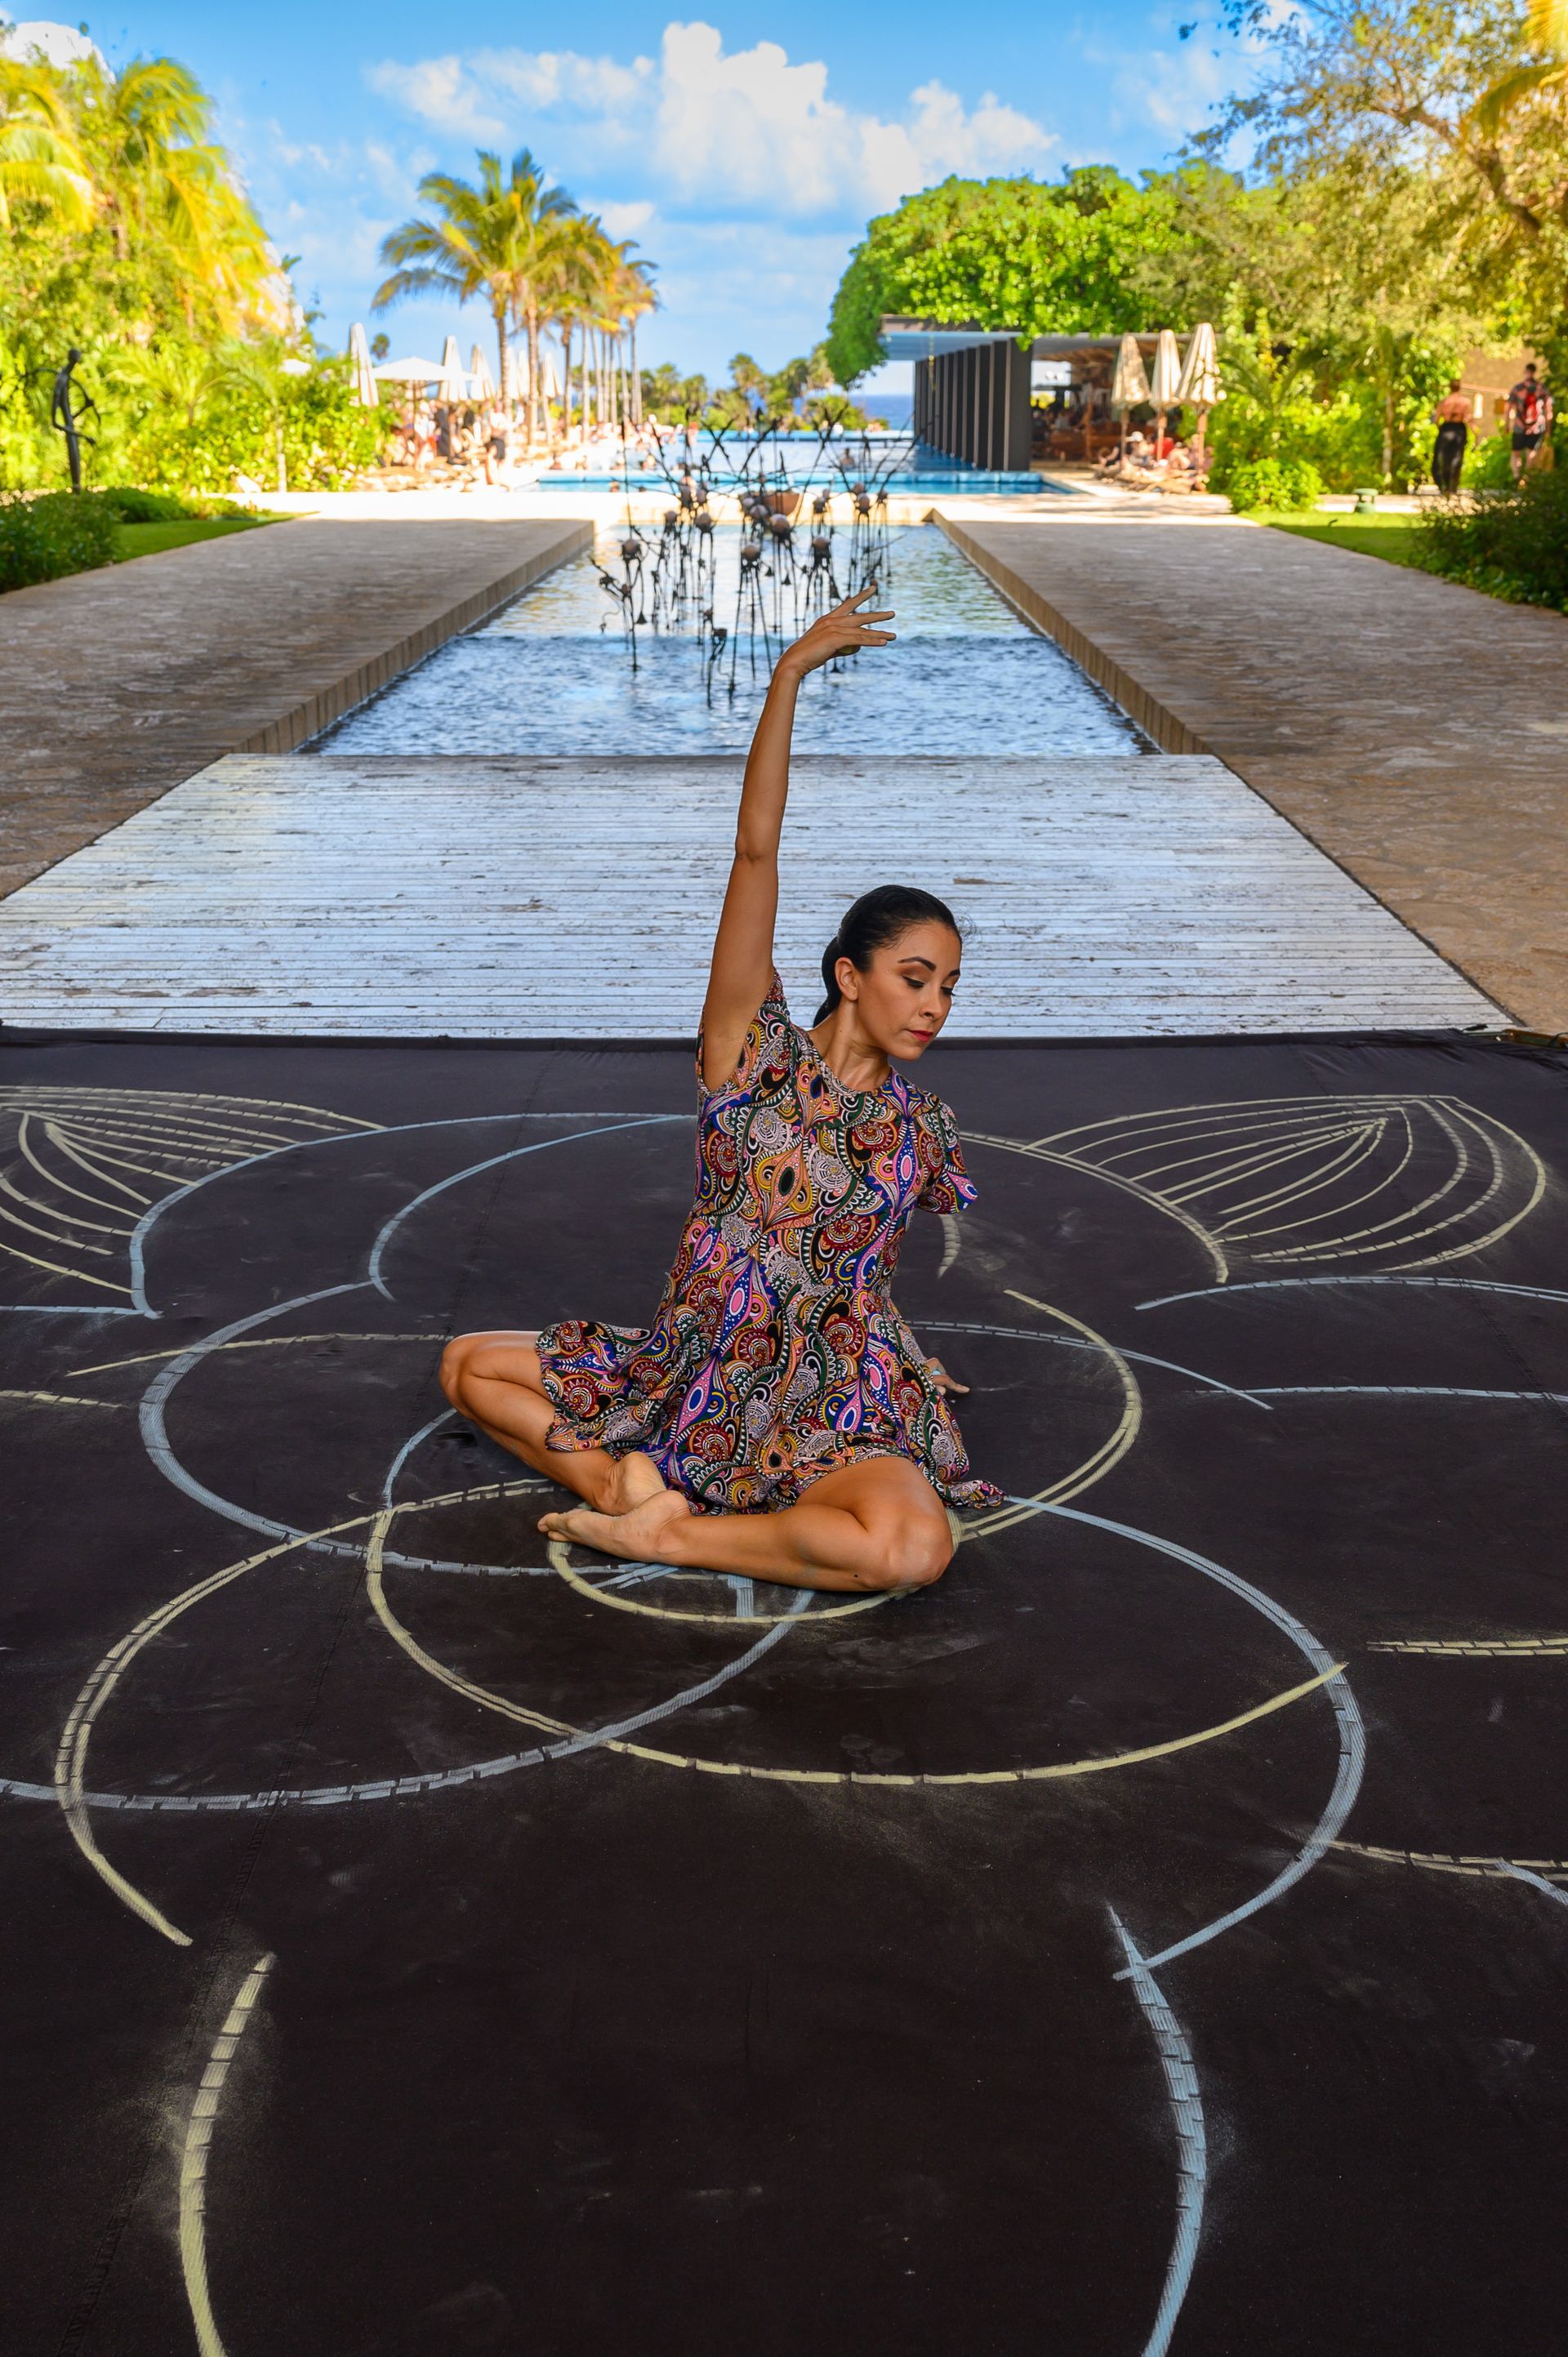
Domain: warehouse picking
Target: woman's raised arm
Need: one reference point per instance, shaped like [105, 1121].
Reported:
[742, 948]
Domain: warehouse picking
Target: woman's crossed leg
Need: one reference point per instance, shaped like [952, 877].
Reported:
[865, 1527]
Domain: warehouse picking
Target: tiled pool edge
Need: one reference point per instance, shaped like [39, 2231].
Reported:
[334, 703]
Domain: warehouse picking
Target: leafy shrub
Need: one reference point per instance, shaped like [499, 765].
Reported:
[1272, 483]
[1486, 467]
[43, 538]
[1514, 547]
[131, 506]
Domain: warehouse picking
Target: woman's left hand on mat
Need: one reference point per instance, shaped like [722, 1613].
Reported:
[946, 1383]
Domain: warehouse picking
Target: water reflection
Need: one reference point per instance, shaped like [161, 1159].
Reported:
[552, 676]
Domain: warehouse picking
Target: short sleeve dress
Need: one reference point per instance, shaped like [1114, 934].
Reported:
[777, 1354]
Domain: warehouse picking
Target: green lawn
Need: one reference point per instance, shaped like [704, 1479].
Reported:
[1396, 537]
[146, 539]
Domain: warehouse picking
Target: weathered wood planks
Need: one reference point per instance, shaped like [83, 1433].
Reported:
[512, 898]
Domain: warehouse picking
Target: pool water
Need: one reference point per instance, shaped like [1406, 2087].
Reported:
[893, 462]
[552, 673]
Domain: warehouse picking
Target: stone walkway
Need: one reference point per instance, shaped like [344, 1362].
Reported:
[1414, 730]
[115, 685]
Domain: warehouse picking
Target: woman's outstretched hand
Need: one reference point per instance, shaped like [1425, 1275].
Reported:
[844, 629]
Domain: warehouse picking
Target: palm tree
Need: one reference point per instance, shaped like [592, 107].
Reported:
[633, 297]
[571, 293]
[42, 162]
[541, 221]
[147, 126]
[484, 239]
[175, 376]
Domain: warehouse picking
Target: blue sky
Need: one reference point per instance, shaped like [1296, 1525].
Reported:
[744, 158]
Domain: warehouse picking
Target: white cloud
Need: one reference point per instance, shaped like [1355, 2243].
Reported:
[561, 79]
[1178, 89]
[719, 131]
[60, 44]
[440, 91]
[622, 219]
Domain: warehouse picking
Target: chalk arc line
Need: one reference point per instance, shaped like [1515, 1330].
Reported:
[492, 1162]
[193, 2160]
[1185, 2098]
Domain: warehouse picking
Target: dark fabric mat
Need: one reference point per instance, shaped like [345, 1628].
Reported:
[698, 2035]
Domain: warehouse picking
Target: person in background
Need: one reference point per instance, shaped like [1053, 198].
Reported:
[1452, 419]
[1529, 417]
[496, 427]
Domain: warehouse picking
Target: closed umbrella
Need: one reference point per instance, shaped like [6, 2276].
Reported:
[1129, 386]
[364, 373]
[1200, 381]
[1164, 382]
[453, 384]
[480, 382]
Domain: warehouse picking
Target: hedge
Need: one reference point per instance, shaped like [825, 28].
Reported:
[60, 533]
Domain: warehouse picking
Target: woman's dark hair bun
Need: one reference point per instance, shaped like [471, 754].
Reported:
[879, 917]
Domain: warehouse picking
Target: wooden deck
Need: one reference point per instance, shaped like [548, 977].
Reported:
[480, 898]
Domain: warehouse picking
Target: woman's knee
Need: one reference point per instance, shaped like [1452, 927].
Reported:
[488, 1358]
[454, 1360]
[911, 1551]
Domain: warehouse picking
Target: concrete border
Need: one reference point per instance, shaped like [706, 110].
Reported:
[304, 721]
[1154, 718]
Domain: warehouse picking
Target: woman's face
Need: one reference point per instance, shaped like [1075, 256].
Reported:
[905, 996]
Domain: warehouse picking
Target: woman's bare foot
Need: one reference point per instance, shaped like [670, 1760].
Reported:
[645, 1534]
[635, 1481]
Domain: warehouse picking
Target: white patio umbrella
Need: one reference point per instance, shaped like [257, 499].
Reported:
[1163, 381]
[363, 367]
[1129, 386]
[481, 384]
[1200, 381]
[453, 384]
[413, 370]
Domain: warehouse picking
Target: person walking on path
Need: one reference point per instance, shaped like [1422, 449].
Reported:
[495, 428]
[1530, 415]
[1452, 419]
[779, 1420]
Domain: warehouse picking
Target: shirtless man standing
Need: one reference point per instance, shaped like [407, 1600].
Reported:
[1452, 419]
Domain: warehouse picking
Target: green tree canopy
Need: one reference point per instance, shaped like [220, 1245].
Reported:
[121, 216]
[1459, 105]
[1045, 257]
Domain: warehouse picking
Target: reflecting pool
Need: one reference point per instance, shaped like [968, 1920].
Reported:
[553, 674]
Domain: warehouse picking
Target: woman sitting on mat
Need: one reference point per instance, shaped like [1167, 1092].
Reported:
[778, 1418]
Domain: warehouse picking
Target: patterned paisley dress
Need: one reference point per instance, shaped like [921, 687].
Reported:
[777, 1354]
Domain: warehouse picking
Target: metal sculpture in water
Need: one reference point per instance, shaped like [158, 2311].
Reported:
[668, 582]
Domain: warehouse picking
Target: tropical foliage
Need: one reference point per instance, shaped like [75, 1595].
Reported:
[128, 235]
[540, 262]
[1515, 546]
[801, 396]
[1407, 200]
[42, 538]
[1042, 256]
